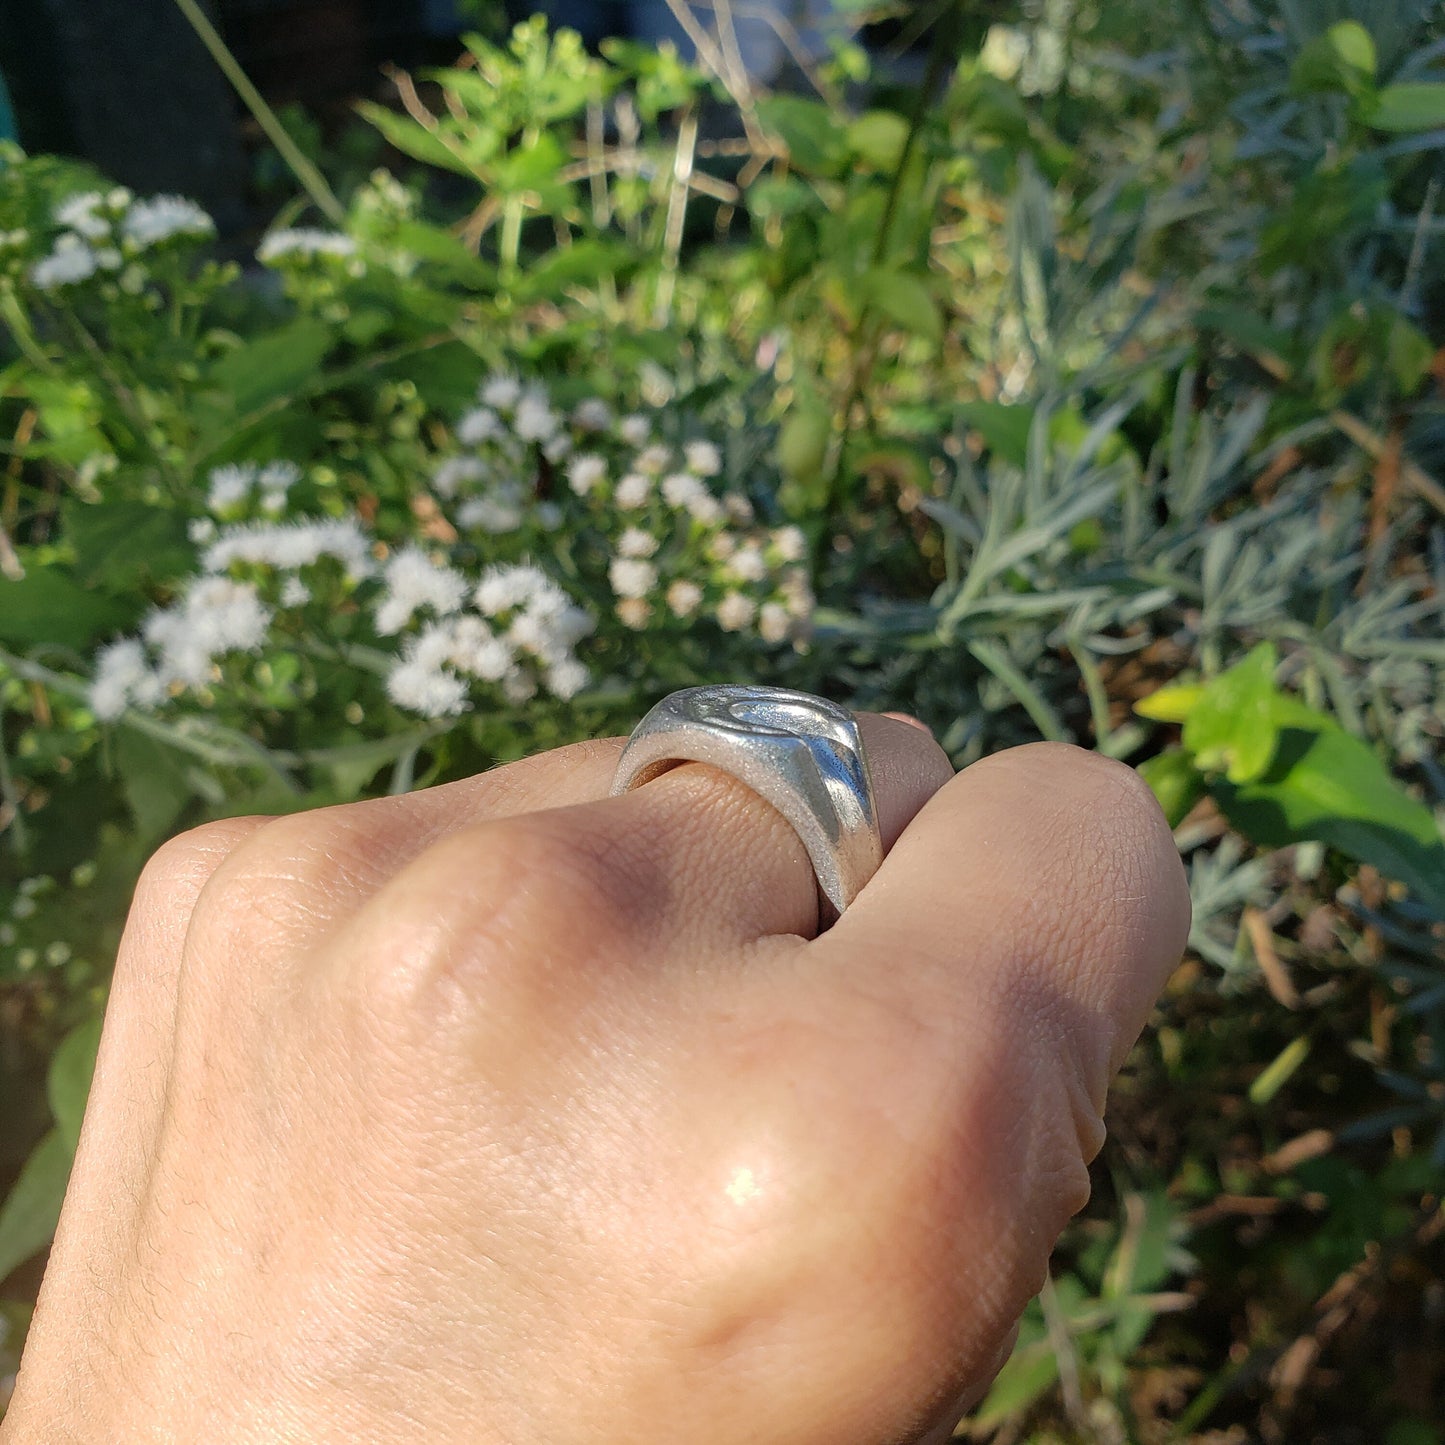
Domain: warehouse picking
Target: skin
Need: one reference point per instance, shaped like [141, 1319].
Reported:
[507, 1112]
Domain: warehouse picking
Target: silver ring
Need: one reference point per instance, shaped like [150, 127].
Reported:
[800, 752]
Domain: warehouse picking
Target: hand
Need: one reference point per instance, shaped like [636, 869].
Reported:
[506, 1112]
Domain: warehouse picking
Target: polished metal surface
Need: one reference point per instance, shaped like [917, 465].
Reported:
[800, 752]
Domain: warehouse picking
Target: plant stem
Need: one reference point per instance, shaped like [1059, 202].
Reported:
[311, 179]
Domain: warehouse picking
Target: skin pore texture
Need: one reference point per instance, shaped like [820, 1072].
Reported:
[507, 1112]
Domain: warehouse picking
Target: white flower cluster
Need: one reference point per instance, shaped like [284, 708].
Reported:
[301, 244]
[236, 487]
[104, 232]
[518, 633]
[510, 627]
[676, 546]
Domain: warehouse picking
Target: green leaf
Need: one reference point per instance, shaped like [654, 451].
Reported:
[119, 544]
[582, 264]
[1342, 59]
[1235, 724]
[1409, 107]
[809, 129]
[1171, 704]
[1176, 782]
[1325, 784]
[154, 780]
[878, 137]
[31, 1211]
[413, 139]
[1277, 1073]
[904, 298]
[68, 1083]
[444, 251]
[803, 441]
[48, 606]
[1031, 1369]
[273, 365]
[1003, 426]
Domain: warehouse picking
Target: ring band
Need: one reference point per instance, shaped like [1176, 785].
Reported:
[801, 753]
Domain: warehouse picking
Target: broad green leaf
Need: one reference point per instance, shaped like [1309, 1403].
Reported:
[878, 137]
[443, 250]
[582, 264]
[32, 1208]
[1278, 1072]
[68, 1083]
[1323, 783]
[1176, 782]
[1233, 726]
[905, 299]
[414, 140]
[117, 544]
[1408, 107]
[1341, 59]
[272, 365]
[809, 129]
[49, 606]
[154, 780]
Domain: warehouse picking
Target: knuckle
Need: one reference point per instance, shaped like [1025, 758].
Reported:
[178, 870]
[531, 909]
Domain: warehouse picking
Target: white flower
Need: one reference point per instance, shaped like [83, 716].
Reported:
[747, 564]
[426, 690]
[565, 679]
[735, 612]
[78, 212]
[414, 581]
[591, 415]
[71, 261]
[148, 223]
[304, 244]
[478, 650]
[122, 676]
[502, 588]
[682, 489]
[738, 508]
[790, 544]
[295, 593]
[230, 485]
[631, 576]
[454, 471]
[653, 460]
[519, 686]
[774, 623]
[107, 258]
[217, 616]
[585, 472]
[705, 508]
[683, 598]
[201, 530]
[557, 447]
[279, 477]
[633, 491]
[494, 515]
[634, 542]
[535, 420]
[634, 613]
[703, 458]
[480, 424]
[293, 545]
[500, 390]
[635, 430]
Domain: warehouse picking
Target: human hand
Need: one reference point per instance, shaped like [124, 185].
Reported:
[507, 1112]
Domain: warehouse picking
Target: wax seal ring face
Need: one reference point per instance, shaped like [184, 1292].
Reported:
[800, 752]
